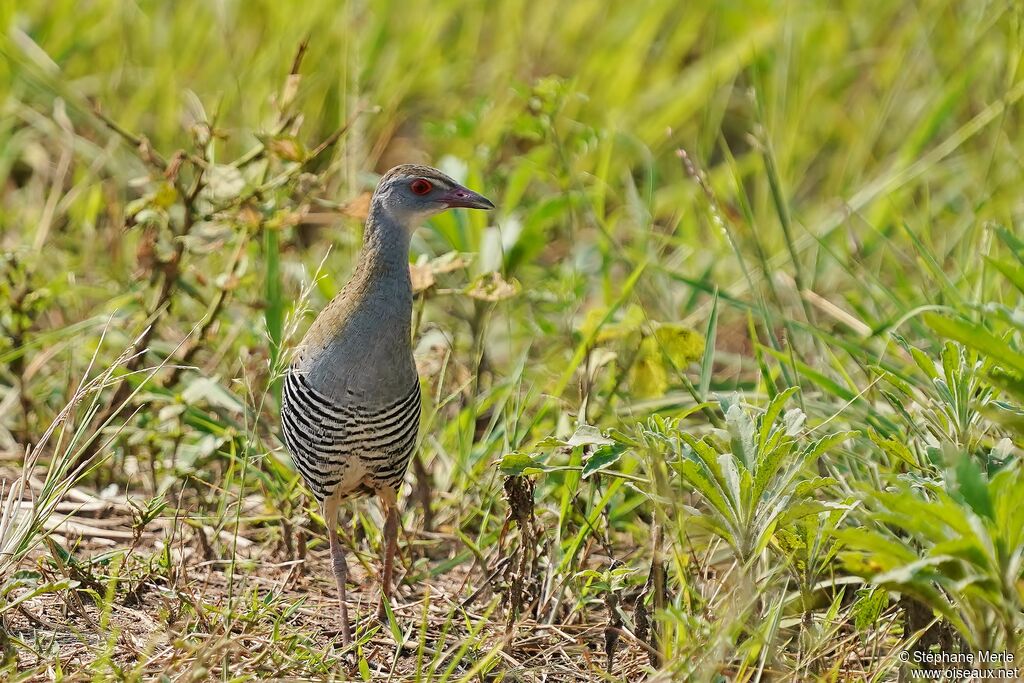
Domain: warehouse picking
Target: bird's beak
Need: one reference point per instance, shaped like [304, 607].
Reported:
[463, 198]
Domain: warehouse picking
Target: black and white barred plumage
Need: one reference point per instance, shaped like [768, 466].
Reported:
[349, 449]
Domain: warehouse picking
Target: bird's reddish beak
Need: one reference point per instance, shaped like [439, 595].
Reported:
[463, 198]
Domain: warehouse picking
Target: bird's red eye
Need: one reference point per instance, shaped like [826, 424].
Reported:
[421, 186]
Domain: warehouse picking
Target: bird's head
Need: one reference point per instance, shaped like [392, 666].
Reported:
[410, 194]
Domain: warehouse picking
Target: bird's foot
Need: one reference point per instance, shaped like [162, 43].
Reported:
[339, 634]
[345, 627]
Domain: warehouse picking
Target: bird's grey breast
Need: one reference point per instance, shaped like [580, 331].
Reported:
[369, 362]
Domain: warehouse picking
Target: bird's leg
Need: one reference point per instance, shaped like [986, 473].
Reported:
[338, 563]
[389, 501]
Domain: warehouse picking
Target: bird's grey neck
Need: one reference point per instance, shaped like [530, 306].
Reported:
[385, 251]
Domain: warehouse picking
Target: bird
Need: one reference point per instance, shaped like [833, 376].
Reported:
[350, 407]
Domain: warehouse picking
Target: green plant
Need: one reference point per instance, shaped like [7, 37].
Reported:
[958, 548]
[761, 480]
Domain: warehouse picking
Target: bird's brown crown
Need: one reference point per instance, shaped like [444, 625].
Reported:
[415, 171]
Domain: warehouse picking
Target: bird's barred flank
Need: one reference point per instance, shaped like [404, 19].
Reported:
[324, 437]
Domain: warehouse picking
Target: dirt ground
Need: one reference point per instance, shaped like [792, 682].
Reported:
[175, 612]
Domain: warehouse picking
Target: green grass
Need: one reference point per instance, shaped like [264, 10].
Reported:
[728, 388]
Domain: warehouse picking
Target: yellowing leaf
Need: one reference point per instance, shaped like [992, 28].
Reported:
[671, 347]
[591, 319]
[165, 195]
[287, 148]
[449, 262]
[422, 277]
[681, 344]
[631, 322]
[358, 207]
[492, 287]
[648, 376]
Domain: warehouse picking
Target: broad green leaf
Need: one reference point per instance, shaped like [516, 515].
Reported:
[977, 337]
[808, 487]
[1012, 241]
[1013, 272]
[868, 606]
[704, 452]
[897, 382]
[793, 421]
[964, 549]
[707, 487]
[768, 468]
[516, 463]
[603, 456]
[208, 391]
[730, 467]
[772, 412]
[897, 448]
[924, 569]
[826, 443]
[971, 485]
[886, 552]
[799, 510]
[549, 442]
[741, 431]
[907, 510]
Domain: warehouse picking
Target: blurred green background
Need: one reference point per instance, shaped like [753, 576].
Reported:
[877, 120]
